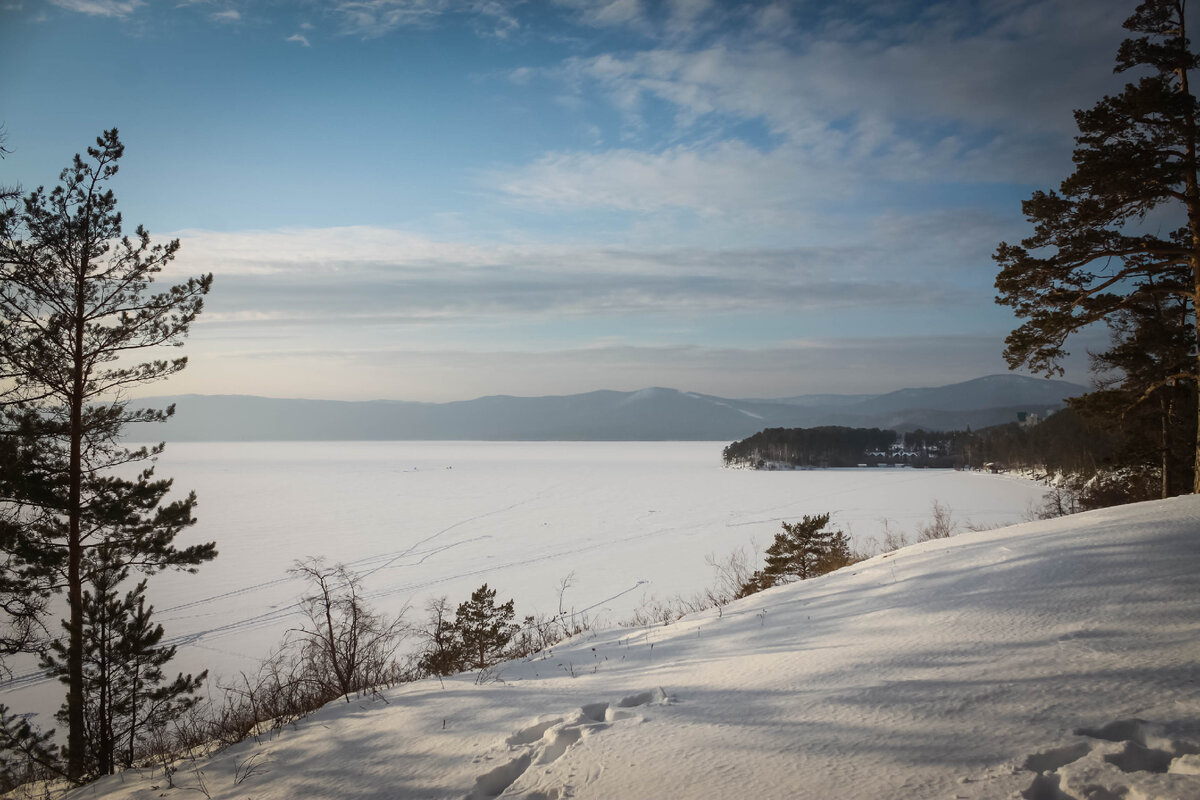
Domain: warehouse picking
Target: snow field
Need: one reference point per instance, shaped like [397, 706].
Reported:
[631, 521]
[1054, 660]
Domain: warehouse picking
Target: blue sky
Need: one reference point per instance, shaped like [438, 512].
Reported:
[440, 199]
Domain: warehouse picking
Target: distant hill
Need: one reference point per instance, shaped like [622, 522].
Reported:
[654, 414]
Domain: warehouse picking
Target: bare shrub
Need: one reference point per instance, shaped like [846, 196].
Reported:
[941, 526]
[653, 611]
[731, 573]
[893, 540]
[565, 583]
[538, 633]
[346, 645]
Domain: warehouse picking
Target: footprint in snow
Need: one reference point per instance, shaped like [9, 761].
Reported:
[546, 741]
[1120, 759]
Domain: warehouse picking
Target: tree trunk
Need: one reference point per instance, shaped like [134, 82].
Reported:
[1192, 190]
[76, 738]
[76, 743]
[1165, 446]
[1196, 312]
[133, 706]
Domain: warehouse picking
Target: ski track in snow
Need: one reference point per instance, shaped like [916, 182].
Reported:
[385, 560]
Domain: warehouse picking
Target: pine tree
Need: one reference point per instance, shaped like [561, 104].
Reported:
[75, 306]
[484, 629]
[28, 562]
[144, 701]
[443, 654]
[26, 574]
[125, 692]
[26, 754]
[1154, 417]
[1092, 254]
[802, 550]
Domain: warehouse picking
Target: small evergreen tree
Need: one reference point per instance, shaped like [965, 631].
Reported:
[483, 628]
[26, 754]
[126, 694]
[803, 550]
[443, 653]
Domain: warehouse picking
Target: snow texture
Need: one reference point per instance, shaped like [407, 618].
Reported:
[633, 521]
[1053, 660]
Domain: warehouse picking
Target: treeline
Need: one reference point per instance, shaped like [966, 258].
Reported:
[1103, 449]
[1068, 442]
[828, 446]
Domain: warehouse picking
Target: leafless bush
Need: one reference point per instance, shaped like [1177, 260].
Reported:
[893, 540]
[653, 611]
[345, 645]
[731, 573]
[345, 648]
[565, 583]
[253, 764]
[538, 633]
[942, 526]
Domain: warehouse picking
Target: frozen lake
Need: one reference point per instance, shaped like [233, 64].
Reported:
[632, 521]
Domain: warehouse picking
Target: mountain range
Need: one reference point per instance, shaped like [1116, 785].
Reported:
[654, 414]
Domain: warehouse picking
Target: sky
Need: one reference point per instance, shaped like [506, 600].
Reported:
[441, 199]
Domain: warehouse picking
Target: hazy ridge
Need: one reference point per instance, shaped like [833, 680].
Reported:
[654, 414]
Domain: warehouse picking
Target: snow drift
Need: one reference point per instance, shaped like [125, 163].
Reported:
[1048, 660]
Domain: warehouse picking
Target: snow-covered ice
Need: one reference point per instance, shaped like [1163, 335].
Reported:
[632, 521]
[1048, 660]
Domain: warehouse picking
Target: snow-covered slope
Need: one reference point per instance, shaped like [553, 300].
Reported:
[1057, 659]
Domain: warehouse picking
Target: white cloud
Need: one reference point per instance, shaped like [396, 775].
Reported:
[299, 38]
[629, 180]
[773, 20]
[374, 18]
[606, 13]
[363, 277]
[942, 96]
[729, 179]
[229, 15]
[388, 313]
[101, 8]
[789, 186]
[933, 99]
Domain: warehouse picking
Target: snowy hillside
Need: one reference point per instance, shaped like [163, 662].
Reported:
[1057, 659]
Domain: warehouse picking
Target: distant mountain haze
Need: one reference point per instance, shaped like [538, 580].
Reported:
[654, 414]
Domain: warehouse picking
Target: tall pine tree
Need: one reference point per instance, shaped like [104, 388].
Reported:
[1153, 416]
[76, 306]
[1092, 255]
